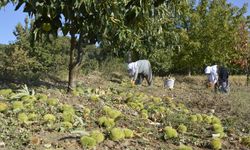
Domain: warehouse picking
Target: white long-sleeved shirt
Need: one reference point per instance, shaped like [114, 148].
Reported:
[140, 66]
[212, 73]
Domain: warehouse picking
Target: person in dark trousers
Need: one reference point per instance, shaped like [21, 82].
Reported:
[218, 77]
[139, 70]
[223, 74]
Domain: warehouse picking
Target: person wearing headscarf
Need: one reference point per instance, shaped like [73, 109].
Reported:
[218, 77]
[212, 75]
[139, 70]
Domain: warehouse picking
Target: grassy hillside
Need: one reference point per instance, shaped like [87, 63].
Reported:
[107, 113]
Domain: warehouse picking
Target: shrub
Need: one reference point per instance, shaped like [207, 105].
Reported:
[18, 65]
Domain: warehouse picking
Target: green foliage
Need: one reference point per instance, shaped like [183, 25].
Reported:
[136, 105]
[199, 117]
[3, 107]
[216, 144]
[67, 125]
[33, 116]
[106, 122]
[97, 135]
[78, 91]
[184, 147]
[182, 128]
[22, 118]
[23, 62]
[86, 112]
[218, 128]
[207, 119]
[17, 64]
[112, 113]
[193, 118]
[174, 36]
[161, 61]
[49, 118]
[117, 134]
[109, 63]
[68, 108]
[170, 132]
[28, 99]
[5, 92]
[41, 97]
[52, 101]
[215, 120]
[144, 114]
[17, 105]
[246, 141]
[68, 116]
[128, 133]
[68, 113]
[88, 142]
[94, 98]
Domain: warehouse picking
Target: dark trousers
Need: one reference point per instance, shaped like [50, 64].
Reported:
[222, 86]
[141, 77]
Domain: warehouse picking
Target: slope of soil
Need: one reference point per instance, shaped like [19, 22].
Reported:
[144, 110]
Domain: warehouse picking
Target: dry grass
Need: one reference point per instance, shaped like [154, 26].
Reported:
[239, 80]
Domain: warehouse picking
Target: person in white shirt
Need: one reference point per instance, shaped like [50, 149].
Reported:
[212, 75]
[139, 70]
[218, 77]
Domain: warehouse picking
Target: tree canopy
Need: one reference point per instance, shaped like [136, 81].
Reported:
[175, 35]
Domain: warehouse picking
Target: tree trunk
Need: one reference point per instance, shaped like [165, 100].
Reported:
[71, 83]
[189, 72]
[74, 62]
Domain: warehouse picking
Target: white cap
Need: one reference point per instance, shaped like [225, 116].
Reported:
[208, 70]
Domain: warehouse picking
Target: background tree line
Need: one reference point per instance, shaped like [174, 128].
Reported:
[177, 36]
